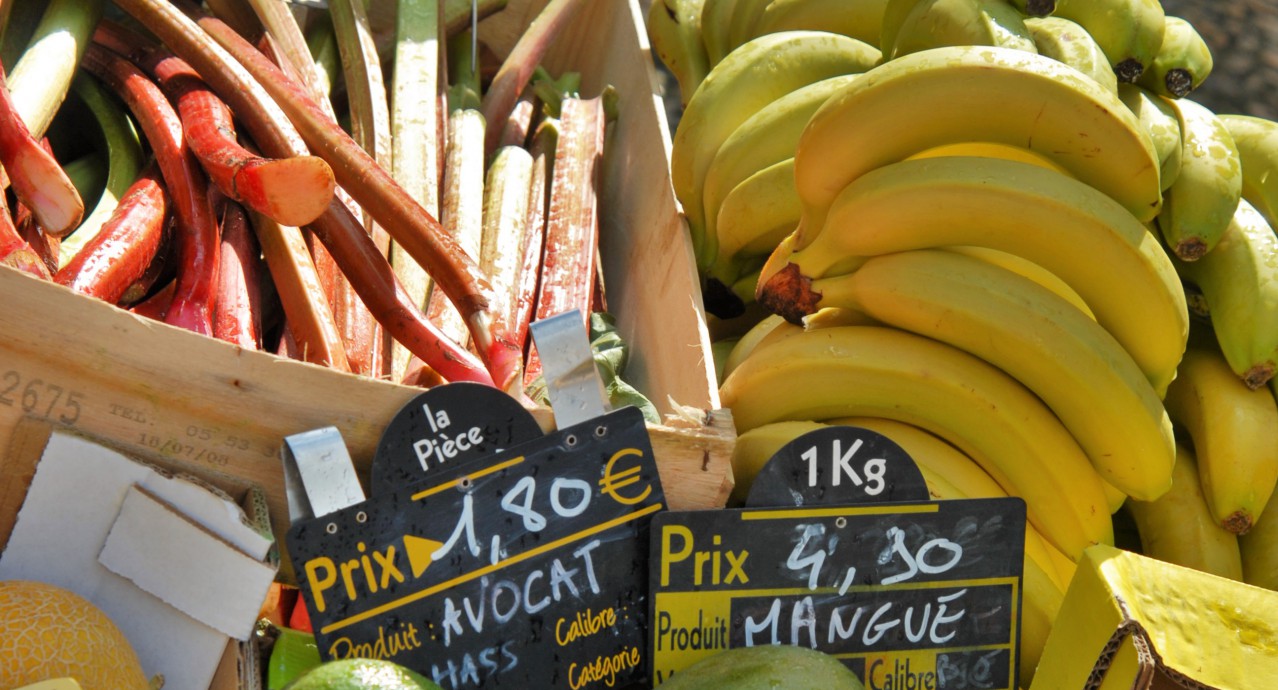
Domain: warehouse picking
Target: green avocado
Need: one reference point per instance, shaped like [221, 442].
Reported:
[361, 674]
[776, 667]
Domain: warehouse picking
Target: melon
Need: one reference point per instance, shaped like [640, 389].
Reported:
[49, 632]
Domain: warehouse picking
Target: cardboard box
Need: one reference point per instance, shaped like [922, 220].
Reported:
[1131, 622]
[152, 388]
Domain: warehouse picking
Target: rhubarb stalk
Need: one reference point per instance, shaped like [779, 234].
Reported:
[572, 224]
[461, 209]
[121, 251]
[506, 197]
[238, 316]
[517, 69]
[42, 76]
[197, 240]
[373, 280]
[370, 185]
[415, 136]
[14, 251]
[37, 178]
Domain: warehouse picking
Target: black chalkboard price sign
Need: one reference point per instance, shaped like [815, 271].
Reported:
[908, 595]
[446, 427]
[838, 465]
[524, 569]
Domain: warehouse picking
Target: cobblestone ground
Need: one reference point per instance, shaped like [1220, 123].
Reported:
[1243, 36]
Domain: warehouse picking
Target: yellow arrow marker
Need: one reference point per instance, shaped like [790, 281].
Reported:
[420, 552]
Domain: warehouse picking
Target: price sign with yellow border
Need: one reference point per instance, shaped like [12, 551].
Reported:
[911, 596]
[524, 569]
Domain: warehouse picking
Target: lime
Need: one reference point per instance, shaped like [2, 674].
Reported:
[361, 674]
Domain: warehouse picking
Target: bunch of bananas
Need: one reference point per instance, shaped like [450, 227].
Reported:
[1001, 233]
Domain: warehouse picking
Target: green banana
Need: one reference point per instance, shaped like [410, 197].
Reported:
[1129, 31]
[716, 16]
[895, 13]
[753, 218]
[1231, 430]
[1256, 139]
[753, 76]
[937, 23]
[1259, 546]
[741, 26]
[1198, 206]
[1239, 283]
[1179, 528]
[1182, 63]
[674, 29]
[1064, 40]
[859, 19]
[1161, 121]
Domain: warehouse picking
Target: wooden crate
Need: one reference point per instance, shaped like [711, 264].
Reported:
[156, 389]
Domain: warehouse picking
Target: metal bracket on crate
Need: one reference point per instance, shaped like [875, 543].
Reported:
[573, 384]
[319, 476]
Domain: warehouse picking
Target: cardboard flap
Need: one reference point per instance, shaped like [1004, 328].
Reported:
[184, 565]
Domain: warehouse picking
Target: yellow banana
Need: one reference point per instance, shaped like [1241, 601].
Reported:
[766, 138]
[744, 16]
[1256, 139]
[674, 30]
[895, 13]
[1232, 432]
[716, 17]
[1161, 121]
[1064, 40]
[1129, 31]
[1178, 527]
[1182, 63]
[1068, 360]
[1079, 234]
[753, 76]
[757, 214]
[1259, 548]
[1239, 283]
[1027, 269]
[750, 339]
[1197, 207]
[989, 149]
[859, 19]
[938, 23]
[986, 94]
[884, 372]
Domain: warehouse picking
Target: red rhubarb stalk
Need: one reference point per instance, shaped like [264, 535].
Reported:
[14, 251]
[572, 225]
[37, 178]
[292, 190]
[517, 69]
[237, 318]
[197, 240]
[118, 256]
[371, 186]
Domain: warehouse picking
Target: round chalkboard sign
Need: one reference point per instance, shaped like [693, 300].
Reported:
[445, 427]
[838, 465]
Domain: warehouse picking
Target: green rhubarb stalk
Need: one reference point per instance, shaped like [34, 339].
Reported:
[321, 41]
[506, 195]
[461, 208]
[17, 22]
[41, 78]
[124, 159]
[282, 26]
[518, 67]
[415, 135]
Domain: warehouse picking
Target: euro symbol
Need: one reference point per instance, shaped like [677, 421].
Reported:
[611, 482]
